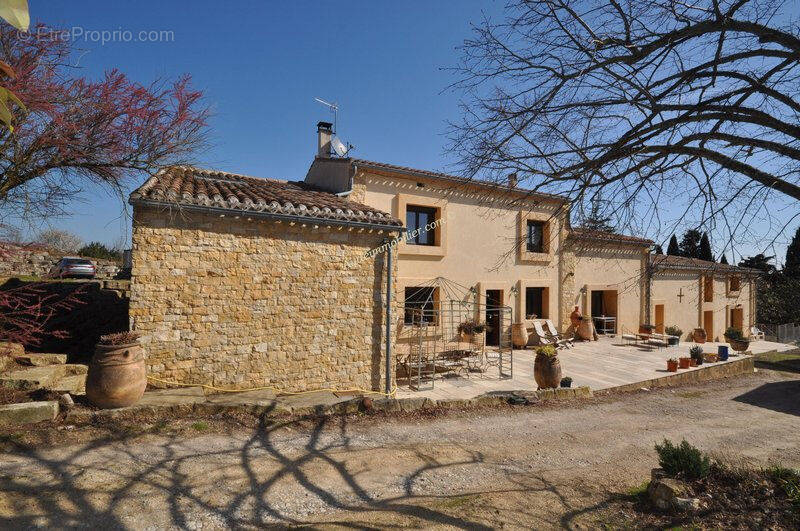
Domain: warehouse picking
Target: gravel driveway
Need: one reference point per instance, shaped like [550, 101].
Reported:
[528, 467]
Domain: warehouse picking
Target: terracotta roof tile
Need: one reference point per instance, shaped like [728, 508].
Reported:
[664, 261]
[186, 185]
[589, 234]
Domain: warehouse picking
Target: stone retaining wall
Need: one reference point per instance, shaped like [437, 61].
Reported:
[235, 303]
[734, 367]
[36, 261]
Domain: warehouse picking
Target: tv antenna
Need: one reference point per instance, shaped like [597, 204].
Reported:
[339, 147]
[334, 108]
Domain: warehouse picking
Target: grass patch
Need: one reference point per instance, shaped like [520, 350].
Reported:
[640, 491]
[789, 481]
[780, 361]
[200, 426]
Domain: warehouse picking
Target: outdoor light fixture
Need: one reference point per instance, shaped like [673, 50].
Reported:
[473, 290]
[514, 290]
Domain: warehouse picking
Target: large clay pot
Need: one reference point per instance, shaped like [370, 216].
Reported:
[519, 335]
[739, 345]
[547, 371]
[117, 376]
[699, 335]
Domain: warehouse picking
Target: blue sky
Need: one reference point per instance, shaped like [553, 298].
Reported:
[261, 64]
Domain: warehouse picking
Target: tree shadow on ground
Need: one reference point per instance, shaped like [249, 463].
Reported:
[777, 396]
[266, 478]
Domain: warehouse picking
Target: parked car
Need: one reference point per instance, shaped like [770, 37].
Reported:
[73, 266]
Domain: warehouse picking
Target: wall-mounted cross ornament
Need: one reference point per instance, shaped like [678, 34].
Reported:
[680, 295]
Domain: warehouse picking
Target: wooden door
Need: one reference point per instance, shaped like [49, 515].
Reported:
[708, 324]
[737, 319]
[659, 311]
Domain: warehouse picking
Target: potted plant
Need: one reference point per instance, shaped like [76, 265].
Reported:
[699, 335]
[696, 353]
[738, 342]
[684, 362]
[711, 357]
[566, 381]
[674, 334]
[547, 367]
[117, 375]
[646, 329]
[469, 328]
[672, 365]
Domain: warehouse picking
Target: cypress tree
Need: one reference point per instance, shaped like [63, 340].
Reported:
[672, 248]
[704, 251]
[792, 266]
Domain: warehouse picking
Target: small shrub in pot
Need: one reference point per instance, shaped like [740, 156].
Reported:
[696, 353]
[566, 382]
[674, 334]
[547, 367]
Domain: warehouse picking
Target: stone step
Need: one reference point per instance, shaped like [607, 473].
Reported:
[28, 412]
[37, 359]
[40, 377]
[74, 385]
[11, 349]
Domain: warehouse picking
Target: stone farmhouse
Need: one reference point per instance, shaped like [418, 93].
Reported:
[241, 281]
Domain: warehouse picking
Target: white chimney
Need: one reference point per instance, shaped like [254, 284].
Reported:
[324, 134]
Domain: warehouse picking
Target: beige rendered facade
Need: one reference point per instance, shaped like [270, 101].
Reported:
[480, 244]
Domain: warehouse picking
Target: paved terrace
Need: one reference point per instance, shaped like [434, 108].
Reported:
[601, 364]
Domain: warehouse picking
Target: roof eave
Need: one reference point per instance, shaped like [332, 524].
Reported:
[138, 201]
[460, 180]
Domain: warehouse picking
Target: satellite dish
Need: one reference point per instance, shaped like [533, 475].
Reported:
[338, 147]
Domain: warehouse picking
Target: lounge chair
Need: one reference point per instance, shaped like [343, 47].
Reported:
[543, 338]
[756, 333]
[567, 342]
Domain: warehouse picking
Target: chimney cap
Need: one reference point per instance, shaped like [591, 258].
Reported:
[324, 125]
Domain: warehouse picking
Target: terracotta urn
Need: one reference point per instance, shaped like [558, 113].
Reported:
[519, 335]
[684, 363]
[547, 371]
[699, 335]
[739, 345]
[672, 365]
[117, 376]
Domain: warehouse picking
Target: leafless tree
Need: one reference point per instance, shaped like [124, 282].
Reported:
[653, 102]
[59, 240]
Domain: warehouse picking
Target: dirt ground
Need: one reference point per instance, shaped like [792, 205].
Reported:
[540, 467]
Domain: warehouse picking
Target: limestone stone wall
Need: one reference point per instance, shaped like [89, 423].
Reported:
[240, 303]
[36, 261]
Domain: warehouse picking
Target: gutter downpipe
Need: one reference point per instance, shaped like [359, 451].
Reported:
[389, 281]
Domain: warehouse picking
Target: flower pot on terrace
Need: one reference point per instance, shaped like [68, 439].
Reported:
[672, 365]
[673, 340]
[547, 371]
[739, 345]
[699, 335]
[684, 362]
[117, 376]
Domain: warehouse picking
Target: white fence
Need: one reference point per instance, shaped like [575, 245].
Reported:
[782, 333]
